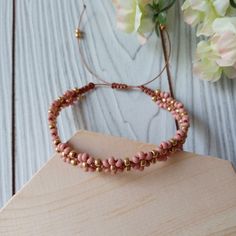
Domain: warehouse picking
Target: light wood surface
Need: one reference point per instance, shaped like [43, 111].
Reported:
[187, 195]
[47, 63]
[5, 100]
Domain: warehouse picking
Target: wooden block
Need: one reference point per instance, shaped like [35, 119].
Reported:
[187, 195]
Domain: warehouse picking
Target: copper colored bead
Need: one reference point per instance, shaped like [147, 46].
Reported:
[84, 165]
[158, 91]
[56, 142]
[73, 162]
[173, 142]
[127, 162]
[155, 153]
[97, 162]
[72, 154]
[98, 169]
[143, 163]
[154, 160]
[112, 168]
[52, 126]
[154, 99]
[128, 168]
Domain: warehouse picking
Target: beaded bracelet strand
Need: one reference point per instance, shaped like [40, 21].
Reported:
[140, 160]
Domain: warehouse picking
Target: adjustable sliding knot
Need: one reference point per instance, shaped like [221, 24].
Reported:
[79, 34]
[147, 90]
[119, 86]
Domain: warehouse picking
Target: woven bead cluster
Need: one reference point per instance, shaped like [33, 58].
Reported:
[140, 160]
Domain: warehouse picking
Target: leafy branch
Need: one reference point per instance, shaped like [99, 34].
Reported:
[159, 11]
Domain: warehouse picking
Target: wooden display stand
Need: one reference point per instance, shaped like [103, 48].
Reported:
[187, 195]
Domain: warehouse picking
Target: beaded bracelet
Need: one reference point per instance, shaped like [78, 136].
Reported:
[138, 161]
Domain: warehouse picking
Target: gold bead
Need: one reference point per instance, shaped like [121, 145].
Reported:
[127, 162]
[84, 164]
[112, 168]
[158, 91]
[154, 99]
[155, 153]
[154, 160]
[98, 169]
[73, 162]
[128, 168]
[79, 33]
[72, 154]
[143, 163]
[98, 162]
[57, 149]
[80, 97]
[172, 102]
[52, 126]
[56, 142]
[169, 108]
[163, 100]
[174, 142]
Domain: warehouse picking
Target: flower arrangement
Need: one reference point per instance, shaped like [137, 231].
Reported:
[215, 21]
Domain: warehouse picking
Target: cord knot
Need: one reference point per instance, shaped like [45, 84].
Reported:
[119, 86]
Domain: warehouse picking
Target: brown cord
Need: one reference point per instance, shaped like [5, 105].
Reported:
[80, 34]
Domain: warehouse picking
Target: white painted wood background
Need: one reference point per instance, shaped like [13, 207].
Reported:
[47, 63]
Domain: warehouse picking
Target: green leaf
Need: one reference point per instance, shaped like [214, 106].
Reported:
[233, 3]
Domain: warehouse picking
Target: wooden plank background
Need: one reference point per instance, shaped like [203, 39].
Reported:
[47, 63]
[5, 100]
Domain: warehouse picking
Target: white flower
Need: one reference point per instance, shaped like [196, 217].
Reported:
[205, 66]
[224, 41]
[134, 16]
[217, 55]
[203, 13]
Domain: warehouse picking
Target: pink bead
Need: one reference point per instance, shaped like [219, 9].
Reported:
[105, 163]
[119, 163]
[85, 156]
[90, 160]
[166, 95]
[67, 150]
[142, 155]
[181, 133]
[53, 131]
[55, 136]
[111, 161]
[180, 105]
[135, 159]
[62, 146]
[79, 157]
[158, 102]
[164, 145]
[149, 156]
[177, 137]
